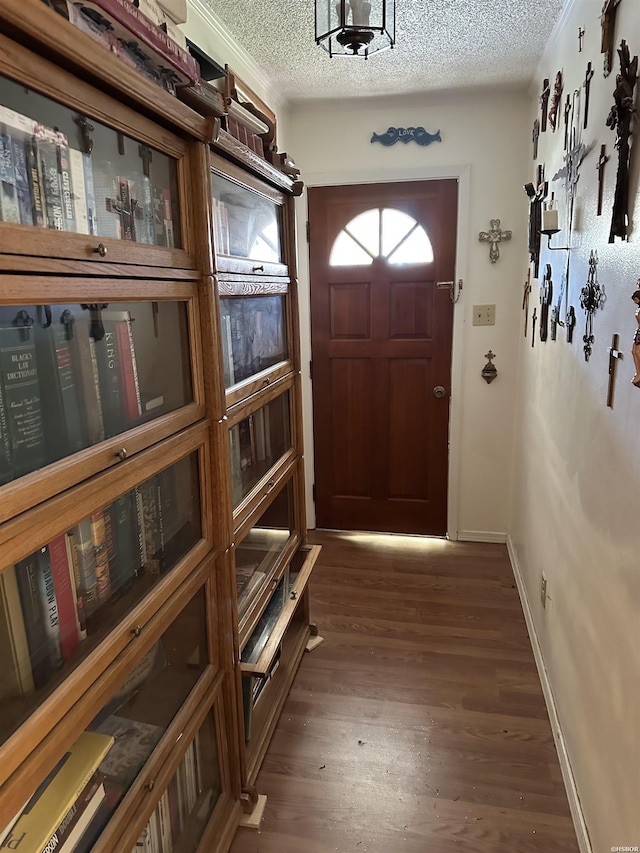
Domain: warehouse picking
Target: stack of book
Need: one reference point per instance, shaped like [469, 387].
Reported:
[58, 814]
[45, 182]
[185, 798]
[137, 37]
[53, 598]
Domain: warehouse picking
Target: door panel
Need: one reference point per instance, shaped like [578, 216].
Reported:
[381, 341]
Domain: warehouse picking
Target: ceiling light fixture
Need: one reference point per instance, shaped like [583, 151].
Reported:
[355, 27]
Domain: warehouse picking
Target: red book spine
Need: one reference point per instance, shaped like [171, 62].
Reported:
[131, 390]
[65, 597]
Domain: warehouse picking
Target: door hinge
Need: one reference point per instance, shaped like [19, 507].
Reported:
[308, 231]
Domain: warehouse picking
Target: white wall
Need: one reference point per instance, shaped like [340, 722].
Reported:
[484, 139]
[577, 469]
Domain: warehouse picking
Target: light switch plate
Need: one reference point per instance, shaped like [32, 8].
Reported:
[484, 315]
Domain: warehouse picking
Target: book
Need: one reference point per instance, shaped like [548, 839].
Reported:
[77, 167]
[49, 608]
[159, 237]
[89, 192]
[78, 599]
[87, 808]
[27, 577]
[168, 218]
[36, 190]
[53, 799]
[21, 129]
[126, 542]
[21, 394]
[84, 566]
[122, 324]
[16, 677]
[6, 468]
[59, 376]
[66, 183]
[149, 517]
[19, 154]
[48, 143]
[86, 379]
[133, 743]
[107, 220]
[101, 556]
[9, 206]
[5, 832]
[64, 587]
[164, 823]
[110, 380]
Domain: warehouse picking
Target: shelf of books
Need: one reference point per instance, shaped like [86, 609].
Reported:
[145, 766]
[108, 196]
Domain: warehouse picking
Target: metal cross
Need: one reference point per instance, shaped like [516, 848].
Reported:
[580, 38]
[602, 161]
[614, 355]
[546, 295]
[534, 137]
[493, 237]
[591, 298]
[570, 321]
[567, 113]
[533, 327]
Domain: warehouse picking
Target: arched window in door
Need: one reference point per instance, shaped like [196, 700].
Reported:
[381, 232]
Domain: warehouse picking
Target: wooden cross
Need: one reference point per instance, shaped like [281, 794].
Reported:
[525, 301]
[146, 155]
[546, 296]
[620, 118]
[587, 87]
[555, 316]
[602, 161]
[570, 321]
[567, 113]
[535, 136]
[494, 236]
[614, 355]
[533, 327]
[608, 20]
[544, 101]
[580, 38]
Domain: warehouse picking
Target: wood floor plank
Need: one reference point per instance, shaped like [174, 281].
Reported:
[419, 726]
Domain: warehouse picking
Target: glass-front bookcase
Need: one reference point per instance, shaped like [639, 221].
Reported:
[115, 683]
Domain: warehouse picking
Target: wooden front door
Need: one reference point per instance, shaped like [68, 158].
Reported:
[381, 349]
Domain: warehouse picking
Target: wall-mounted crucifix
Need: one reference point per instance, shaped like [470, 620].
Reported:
[602, 162]
[608, 21]
[570, 322]
[580, 38]
[567, 113]
[525, 300]
[544, 103]
[614, 355]
[546, 295]
[620, 118]
[591, 298]
[536, 195]
[587, 89]
[494, 237]
[535, 136]
[555, 101]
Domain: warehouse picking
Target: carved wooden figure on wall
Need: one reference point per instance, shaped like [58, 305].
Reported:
[620, 119]
[555, 101]
[635, 347]
[608, 20]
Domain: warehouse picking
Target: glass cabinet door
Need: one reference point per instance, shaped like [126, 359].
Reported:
[80, 795]
[57, 603]
[73, 375]
[185, 807]
[254, 335]
[256, 443]
[257, 555]
[62, 170]
[247, 224]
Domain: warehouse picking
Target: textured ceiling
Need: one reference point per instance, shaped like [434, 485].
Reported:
[440, 44]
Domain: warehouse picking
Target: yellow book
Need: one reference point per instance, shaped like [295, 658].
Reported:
[34, 830]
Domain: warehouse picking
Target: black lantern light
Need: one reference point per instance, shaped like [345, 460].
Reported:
[355, 27]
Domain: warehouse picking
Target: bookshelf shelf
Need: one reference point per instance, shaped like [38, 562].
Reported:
[151, 495]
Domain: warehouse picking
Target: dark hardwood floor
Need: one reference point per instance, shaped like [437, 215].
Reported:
[419, 726]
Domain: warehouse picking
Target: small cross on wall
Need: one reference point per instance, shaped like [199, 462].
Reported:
[494, 236]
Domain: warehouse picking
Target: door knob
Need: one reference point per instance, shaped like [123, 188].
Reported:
[439, 391]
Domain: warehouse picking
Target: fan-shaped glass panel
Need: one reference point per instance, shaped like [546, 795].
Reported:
[386, 232]
[416, 249]
[346, 252]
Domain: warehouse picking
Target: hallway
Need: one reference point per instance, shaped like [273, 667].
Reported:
[419, 726]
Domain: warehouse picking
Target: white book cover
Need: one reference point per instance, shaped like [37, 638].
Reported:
[76, 161]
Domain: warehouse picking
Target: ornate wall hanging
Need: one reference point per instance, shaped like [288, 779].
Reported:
[620, 119]
[591, 298]
[494, 236]
[635, 346]
[406, 134]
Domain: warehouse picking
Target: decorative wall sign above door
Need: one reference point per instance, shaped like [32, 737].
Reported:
[406, 134]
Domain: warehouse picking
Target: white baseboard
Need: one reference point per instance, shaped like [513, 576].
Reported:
[481, 536]
[582, 834]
